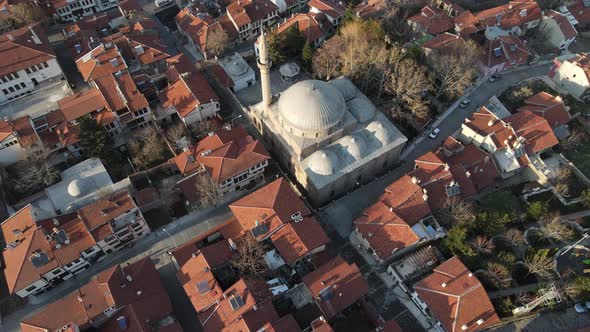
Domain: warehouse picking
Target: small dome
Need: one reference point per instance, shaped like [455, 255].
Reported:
[76, 188]
[324, 162]
[380, 132]
[236, 66]
[289, 69]
[354, 145]
[312, 105]
[361, 108]
[346, 88]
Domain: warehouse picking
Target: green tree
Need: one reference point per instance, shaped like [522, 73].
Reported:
[307, 55]
[585, 196]
[456, 243]
[348, 13]
[285, 45]
[581, 287]
[92, 138]
[537, 210]
[489, 223]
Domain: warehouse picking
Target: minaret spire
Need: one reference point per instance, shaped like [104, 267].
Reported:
[264, 65]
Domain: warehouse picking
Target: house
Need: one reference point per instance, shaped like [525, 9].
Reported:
[71, 11]
[515, 17]
[249, 16]
[89, 103]
[188, 94]
[229, 157]
[16, 137]
[130, 297]
[580, 13]
[571, 75]
[315, 28]
[289, 7]
[431, 20]
[558, 30]
[513, 141]
[335, 286]
[456, 298]
[27, 62]
[333, 9]
[399, 220]
[238, 73]
[42, 252]
[275, 212]
[199, 27]
[502, 53]
[441, 44]
[550, 108]
[370, 9]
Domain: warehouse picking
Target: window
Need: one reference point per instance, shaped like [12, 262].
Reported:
[5, 91]
[11, 89]
[3, 79]
[17, 87]
[110, 238]
[23, 85]
[27, 70]
[30, 289]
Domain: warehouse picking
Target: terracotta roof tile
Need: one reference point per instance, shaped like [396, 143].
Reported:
[336, 285]
[332, 8]
[550, 107]
[97, 63]
[198, 25]
[534, 129]
[442, 40]
[370, 8]
[296, 240]
[564, 24]
[311, 26]
[187, 93]
[97, 215]
[580, 12]
[82, 103]
[27, 136]
[457, 298]
[512, 14]
[513, 52]
[249, 11]
[18, 49]
[285, 324]
[433, 20]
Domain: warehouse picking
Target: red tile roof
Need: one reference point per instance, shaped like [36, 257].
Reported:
[144, 299]
[97, 215]
[457, 298]
[385, 231]
[513, 52]
[406, 198]
[231, 152]
[481, 168]
[82, 103]
[5, 129]
[512, 14]
[18, 49]
[442, 40]
[311, 26]
[97, 63]
[334, 9]
[187, 93]
[535, 130]
[392, 326]
[147, 47]
[580, 12]
[285, 324]
[550, 107]
[321, 325]
[336, 285]
[273, 205]
[134, 99]
[564, 24]
[244, 12]
[433, 20]
[466, 23]
[27, 136]
[200, 25]
[370, 8]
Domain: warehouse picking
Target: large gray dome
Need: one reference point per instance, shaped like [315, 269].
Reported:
[312, 105]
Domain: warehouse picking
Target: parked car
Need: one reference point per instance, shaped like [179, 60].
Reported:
[162, 3]
[464, 103]
[582, 307]
[434, 133]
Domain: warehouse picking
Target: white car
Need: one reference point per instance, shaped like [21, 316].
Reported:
[464, 103]
[434, 133]
[582, 307]
[162, 3]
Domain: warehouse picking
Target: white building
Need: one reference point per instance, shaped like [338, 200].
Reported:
[558, 30]
[571, 75]
[75, 10]
[27, 62]
[239, 71]
[249, 16]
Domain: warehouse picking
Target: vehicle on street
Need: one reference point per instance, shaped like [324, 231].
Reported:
[162, 3]
[494, 77]
[464, 103]
[434, 133]
[582, 307]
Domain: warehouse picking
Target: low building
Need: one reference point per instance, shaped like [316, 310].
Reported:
[336, 285]
[431, 20]
[315, 28]
[289, 7]
[27, 63]
[238, 70]
[502, 53]
[42, 252]
[73, 10]
[200, 27]
[188, 94]
[230, 158]
[550, 108]
[441, 45]
[580, 13]
[16, 137]
[456, 298]
[515, 17]
[334, 10]
[515, 141]
[370, 9]
[249, 16]
[558, 30]
[275, 212]
[571, 75]
[130, 297]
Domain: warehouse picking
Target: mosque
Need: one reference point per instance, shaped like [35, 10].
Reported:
[329, 135]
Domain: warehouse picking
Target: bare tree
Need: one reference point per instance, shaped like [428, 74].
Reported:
[562, 179]
[455, 211]
[523, 298]
[394, 24]
[551, 227]
[148, 148]
[217, 41]
[326, 60]
[540, 263]
[483, 245]
[207, 191]
[498, 274]
[515, 237]
[178, 135]
[35, 173]
[249, 259]
[22, 14]
[576, 138]
[203, 128]
[454, 68]
[407, 82]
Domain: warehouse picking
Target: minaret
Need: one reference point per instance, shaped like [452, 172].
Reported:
[264, 65]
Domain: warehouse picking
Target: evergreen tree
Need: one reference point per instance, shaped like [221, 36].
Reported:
[348, 13]
[307, 55]
[92, 138]
[285, 45]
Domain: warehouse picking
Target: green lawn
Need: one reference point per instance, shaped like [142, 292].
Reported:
[503, 201]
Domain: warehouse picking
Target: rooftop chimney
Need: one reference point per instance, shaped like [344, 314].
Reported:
[10, 37]
[464, 327]
[444, 284]
[129, 278]
[479, 321]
